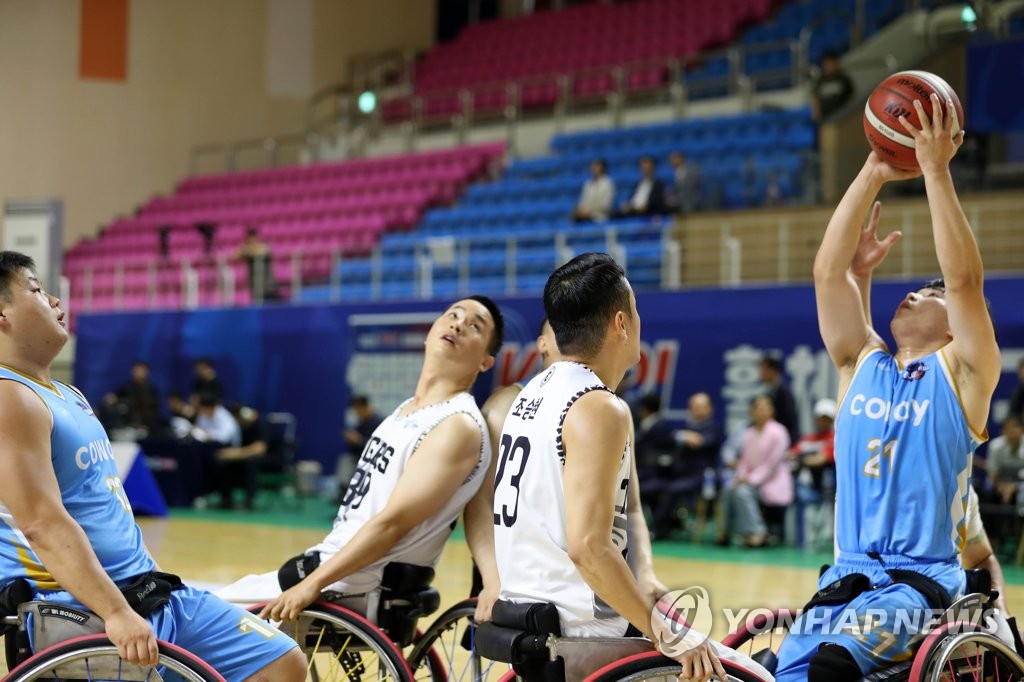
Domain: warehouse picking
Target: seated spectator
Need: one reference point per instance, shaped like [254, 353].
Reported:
[241, 464]
[762, 475]
[141, 399]
[598, 193]
[365, 421]
[648, 197]
[205, 381]
[1006, 461]
[256, 254]
[831, 90]
[694, 464]
[814, 459]
[214, 424]
[654, 449]
[685, 192]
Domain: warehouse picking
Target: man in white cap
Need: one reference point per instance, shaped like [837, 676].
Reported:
[815, 461]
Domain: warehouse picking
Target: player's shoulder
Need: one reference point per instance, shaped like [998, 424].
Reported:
[599, 404]
[22, 406]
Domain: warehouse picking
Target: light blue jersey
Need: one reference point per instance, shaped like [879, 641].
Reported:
[90, 490]
[903, 461]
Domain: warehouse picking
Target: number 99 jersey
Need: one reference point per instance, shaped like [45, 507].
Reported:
[529, 504]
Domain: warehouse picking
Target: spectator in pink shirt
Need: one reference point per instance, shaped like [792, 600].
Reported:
[763, 475]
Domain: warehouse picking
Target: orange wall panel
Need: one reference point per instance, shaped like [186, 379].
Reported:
[103, 45]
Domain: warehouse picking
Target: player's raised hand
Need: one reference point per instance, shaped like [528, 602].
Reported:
[870, 250]
[133, 636]
[935, 142]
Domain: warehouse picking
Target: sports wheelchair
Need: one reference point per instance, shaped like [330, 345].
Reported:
[957, 648]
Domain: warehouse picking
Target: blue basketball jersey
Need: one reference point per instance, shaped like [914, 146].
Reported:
[903, 460]
[90, 489]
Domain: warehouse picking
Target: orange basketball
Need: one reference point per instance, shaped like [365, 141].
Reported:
[894, 97]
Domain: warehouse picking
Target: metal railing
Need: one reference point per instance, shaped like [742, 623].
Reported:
[774, 246]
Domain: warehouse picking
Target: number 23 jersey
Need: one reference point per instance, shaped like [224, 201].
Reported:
[380, 466]
[530, 540]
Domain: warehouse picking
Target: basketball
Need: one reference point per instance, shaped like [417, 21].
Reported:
[894, 97]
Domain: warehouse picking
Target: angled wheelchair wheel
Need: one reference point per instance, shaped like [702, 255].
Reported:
[763, 630]
[655, 667]
[962, 651]
[446, 652]
[94, 657]
[341, 644]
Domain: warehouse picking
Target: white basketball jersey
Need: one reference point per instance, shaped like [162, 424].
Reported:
[381, 464]
[529, 504]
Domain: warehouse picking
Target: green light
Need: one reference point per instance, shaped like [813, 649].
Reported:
[367, 102]
[968, 15]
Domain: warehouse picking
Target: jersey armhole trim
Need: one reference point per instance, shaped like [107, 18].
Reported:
[468, 413]
[559, 445]
[979, 436]
[865, 354]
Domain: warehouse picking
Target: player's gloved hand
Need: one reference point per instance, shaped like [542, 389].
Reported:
[133, 636]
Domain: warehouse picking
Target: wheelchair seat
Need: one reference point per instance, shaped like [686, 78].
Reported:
[406, 596]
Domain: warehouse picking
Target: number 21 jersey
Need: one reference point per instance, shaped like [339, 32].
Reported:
[529, 504]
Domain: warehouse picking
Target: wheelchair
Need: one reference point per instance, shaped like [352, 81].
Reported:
[528, 638]
[87, 654]
[957, 648]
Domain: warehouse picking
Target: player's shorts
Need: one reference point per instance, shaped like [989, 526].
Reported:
[235, 642]
[879, 627]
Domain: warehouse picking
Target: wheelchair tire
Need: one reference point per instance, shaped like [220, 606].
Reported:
[335, 627]
[46, 663]
[445, 652]
[967, 652]
[652, 665]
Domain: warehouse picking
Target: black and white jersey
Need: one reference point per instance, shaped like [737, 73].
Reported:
[529, 504]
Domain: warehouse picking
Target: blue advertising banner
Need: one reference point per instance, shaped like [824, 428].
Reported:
[308, 360]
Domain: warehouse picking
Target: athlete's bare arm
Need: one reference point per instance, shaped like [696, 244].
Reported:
[844, 328]
[443, 461]
[973, 351]
[29, 489]
[594, 435]
[640, 553]
[479, 513]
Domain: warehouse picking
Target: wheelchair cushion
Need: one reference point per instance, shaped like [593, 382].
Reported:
[536, 618]
[402, 578]
[509, 645]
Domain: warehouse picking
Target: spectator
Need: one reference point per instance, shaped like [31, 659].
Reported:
[685, 184]
[814, 460]
[214, 423]
[598, 193]
[179, 415]
[1017, 399]
[654, 441]
[141, 399]
[1006, 460]
[762, 474]
[831, 90]
[205, 381]
[241, 464]
[648, 197]
[782, 398]
[683, 475]
[256, 254]
[365, 421]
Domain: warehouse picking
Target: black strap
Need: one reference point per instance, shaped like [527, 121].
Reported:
[934, 593]
[150, 591]
[841, 591]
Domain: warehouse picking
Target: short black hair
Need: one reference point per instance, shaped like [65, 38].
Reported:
[651, 402]
[498, 335]
[772, 360]
[830, 54]
[359, 401]
[581, 298]
[648, 157]
[544, 320]
[175, 394]
[602, 163]
[11, 263]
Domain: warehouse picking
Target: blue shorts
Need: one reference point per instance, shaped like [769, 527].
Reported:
[879, 627]
[236, 643]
